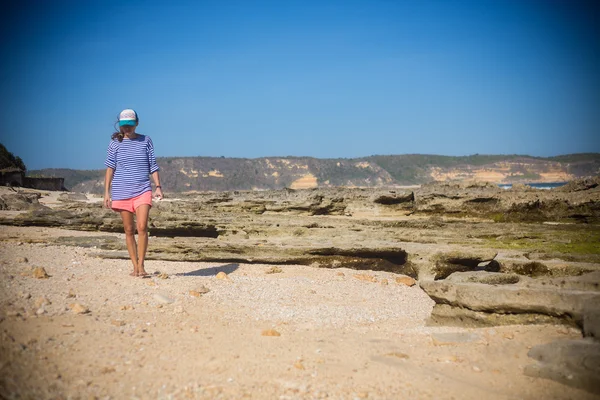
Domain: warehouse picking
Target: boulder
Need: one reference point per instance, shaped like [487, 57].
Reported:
[20, 201]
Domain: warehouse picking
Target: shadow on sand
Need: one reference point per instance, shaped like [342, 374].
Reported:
[227, 268]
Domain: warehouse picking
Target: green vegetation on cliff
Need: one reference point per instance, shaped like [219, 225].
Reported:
[8, 159]
[219, 173]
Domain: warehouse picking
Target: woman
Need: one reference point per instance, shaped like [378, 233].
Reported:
[130, 160]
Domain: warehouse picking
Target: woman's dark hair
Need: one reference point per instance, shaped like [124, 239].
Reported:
[119, 135]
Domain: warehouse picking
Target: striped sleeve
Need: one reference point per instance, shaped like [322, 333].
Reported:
[111, 155]
[151, 157]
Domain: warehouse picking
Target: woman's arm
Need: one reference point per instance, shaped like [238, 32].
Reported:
[107, 182]
[156, 177]
[154, 168]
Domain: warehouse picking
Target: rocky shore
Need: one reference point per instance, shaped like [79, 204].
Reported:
[340, 293]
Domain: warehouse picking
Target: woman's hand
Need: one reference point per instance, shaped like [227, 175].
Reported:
[158, 193]
[107, 201]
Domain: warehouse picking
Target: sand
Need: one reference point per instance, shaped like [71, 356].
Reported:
[302, 333]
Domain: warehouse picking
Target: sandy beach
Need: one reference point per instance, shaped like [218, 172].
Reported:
[296, 334]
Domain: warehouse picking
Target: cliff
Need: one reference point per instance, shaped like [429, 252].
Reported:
[181, 174]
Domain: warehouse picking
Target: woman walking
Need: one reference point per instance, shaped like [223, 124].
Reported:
[129, 163]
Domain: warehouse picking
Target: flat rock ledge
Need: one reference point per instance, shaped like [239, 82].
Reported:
[487, 298]
[394, 260]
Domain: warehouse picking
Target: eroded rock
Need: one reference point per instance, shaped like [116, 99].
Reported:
[532, 268]
[20, 201]
[395, 198]
[488, 278]
[447, 263]
[447, 315]
[511, 299]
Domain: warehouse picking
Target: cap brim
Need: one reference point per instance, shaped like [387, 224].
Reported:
[127, 122]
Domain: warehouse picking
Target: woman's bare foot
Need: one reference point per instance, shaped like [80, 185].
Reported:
[134, 273]
[141, 272]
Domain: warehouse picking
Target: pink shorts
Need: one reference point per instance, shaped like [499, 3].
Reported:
[132, 204]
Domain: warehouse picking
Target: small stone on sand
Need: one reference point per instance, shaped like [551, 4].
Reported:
[365, 277]
[42, 301]
[222, 275]
[203, 289]
[405, 280]
[270, 332]
[78, 308]
[397, 355]
[40, 273]
[448, 359]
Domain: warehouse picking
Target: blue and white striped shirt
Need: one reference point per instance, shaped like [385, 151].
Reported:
[133, 161]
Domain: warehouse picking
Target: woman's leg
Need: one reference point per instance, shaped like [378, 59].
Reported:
[129, 227]
[141, 214]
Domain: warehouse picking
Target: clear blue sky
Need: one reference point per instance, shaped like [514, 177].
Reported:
[319, 78]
